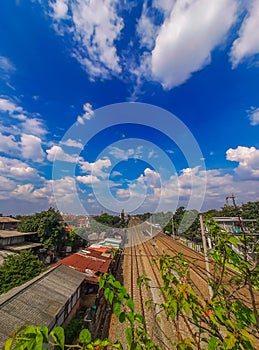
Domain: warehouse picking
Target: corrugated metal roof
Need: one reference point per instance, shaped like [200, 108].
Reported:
[38, 301]
[4, 219]
[23, 246]
[93, 260]
[11, 233]
[232, 218]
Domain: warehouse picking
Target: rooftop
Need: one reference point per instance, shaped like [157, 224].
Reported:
[232, 218]
[23, 246]
[4, 219]
[87, 260]
[7, 233]
[38, 301]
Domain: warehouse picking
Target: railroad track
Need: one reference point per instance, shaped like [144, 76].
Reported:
[141, 264]
[138, 257]
[197, 268]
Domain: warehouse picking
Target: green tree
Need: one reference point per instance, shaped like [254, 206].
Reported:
[49, 226]
[74, 239]
[18, 269]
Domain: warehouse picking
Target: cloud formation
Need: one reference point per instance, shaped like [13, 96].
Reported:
[87, 115]
[247, 43]
[248, 159]
[95, 26]
[253, 115]
[31, 148]
[187, 38]
[57, 153]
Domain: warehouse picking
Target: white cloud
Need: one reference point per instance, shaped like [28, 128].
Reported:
[247, 43]
[95, 26]
[7, 105]
[60, 8]
[31, 148]
[123, 193]
[150, 178]
[96, 168]
[33, 126]
[6, 184]
[146, 29]
[23, 191]
[64, 189]
[6, 65]
[57, 153]
[170, 151]
[116, 173]
[72, 143]
[27, 123]
[8, 145]
[88, 179]
[87, 115]
[253, 115]
[186, 38]
[164, 5]
[16, 169]
[125, 154]
[248, 159]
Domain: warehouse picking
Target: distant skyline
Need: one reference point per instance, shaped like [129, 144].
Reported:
[62, 62]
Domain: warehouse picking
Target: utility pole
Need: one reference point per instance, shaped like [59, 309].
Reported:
[205, 254]
[172, 219]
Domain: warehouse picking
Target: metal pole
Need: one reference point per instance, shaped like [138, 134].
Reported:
[205, 254]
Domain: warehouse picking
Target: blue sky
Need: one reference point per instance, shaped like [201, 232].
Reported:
[183, 81]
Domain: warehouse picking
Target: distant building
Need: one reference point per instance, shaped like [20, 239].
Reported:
[232, 224]
[8, 223]
[76, 220]
[108, 242]
[51, 299]
[14, 241]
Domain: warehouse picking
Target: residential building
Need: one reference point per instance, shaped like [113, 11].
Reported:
[232, 224]
[51, 299]
[16, 241]
[8, 223]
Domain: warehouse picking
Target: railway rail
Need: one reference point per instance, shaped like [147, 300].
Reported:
[138, 260]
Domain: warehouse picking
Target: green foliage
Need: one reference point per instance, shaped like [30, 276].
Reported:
[73, 329]
[37, 338]
[73, 239]
[183, 223]
[110, 220]
[18, 269]
[49, 226]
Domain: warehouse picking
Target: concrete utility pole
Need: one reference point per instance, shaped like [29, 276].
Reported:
[205, 253]
[172, 219]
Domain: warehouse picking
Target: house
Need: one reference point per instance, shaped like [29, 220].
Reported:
[232, 224]
[16, 241]
[109, 243]
[50, 299]
[91, 262]
[8, 223]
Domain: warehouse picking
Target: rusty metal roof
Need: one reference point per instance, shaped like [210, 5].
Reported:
[88, 260]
